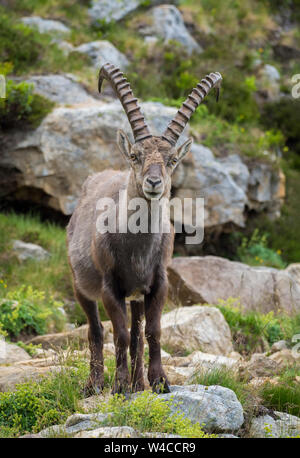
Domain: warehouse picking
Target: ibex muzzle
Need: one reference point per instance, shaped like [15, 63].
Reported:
[113, 266]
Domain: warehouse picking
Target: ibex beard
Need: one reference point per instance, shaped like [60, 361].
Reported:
[114, 265]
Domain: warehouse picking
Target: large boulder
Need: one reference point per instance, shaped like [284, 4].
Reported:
[61, 89]
[101, 52]
[194, 280]
[70, 144]
[11, 353]
[215, 407]
[166, 22]
[196, 328]
[49, 165]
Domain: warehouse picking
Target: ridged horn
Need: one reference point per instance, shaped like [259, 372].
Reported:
[178, 123]
[124, 92]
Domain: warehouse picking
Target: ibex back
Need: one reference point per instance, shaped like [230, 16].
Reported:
[113, 266]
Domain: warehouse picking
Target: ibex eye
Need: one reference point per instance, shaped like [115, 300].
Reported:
[174, 161]
[133, 157]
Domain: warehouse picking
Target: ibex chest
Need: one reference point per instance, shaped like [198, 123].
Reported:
[137, 263]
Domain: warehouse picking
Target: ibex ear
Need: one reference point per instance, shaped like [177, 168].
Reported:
[184, 149]
[124, 143]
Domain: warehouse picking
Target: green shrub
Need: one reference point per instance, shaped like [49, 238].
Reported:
[33, 406]
[250, 328]
[27, 311]
[30, 348]
[254, 251]
[21, 107]
[18, 43]
[284, 115]
[148, 412]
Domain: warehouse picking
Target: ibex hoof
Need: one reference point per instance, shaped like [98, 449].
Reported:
[92, 388]
[160, 386]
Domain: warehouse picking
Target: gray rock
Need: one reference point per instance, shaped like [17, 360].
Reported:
[62, 89]
[109, 432]
[237, 170]
[72, 143]
[205, 280]
[267, 427]
[167, 23]
[46, 25]
[227, 436]
[26, 251]
[204, 176]
[215, 407]
[271, 73]
[11, 353]
[114, 10]
[103, 51]
[278, 346]
[206, 328]
[294, 271]
[84, 422]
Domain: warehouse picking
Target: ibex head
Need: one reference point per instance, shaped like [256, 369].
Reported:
[154, 159]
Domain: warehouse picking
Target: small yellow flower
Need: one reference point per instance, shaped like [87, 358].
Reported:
[260, 50]
[278, 251]
[261, 261]
[285, 149]
[242, 129]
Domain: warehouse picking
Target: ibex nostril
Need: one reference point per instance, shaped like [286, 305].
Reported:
[154, 182]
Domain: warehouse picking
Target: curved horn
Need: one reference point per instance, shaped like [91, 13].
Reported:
[124, 92]
[178, 123]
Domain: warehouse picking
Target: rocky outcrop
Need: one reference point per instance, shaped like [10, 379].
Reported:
[101, 52]
[47, 25]
[166, 22]
[61, 89]
[215, 407]
[207, 279]
[50, 164]
[196, 328]
[25, 251]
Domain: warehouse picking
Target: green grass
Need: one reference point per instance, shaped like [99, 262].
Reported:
[55, 279]
[284, 396]
[251, 329]
[228, 379]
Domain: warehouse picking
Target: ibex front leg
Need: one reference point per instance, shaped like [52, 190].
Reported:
[137, 345]
[115, 307]
[154, 303]
[95, 335]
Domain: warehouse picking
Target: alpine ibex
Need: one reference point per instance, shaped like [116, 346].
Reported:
[113, 266]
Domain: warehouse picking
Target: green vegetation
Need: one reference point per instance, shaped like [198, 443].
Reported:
[148, 412]
[252, 330]
[55, 280]
[22, 108]
[26, 311]
[30, 348]
[283, 396]
[228, 379]
[255, 252]
[33, 406]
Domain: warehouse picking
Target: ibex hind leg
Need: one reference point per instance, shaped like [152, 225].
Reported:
[137, 345]
[95, 382]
